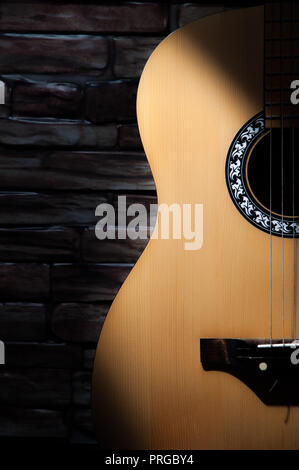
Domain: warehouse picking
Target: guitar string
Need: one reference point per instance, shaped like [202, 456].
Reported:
[282, 175]
[293, 169]
[294, 238]
[270, 176]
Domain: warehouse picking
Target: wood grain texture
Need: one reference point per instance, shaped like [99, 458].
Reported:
[149, 389]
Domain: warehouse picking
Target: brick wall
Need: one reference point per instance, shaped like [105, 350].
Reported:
[68, 141]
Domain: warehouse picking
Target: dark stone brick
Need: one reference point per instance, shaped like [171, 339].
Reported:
[78, 322]
[111, 101]
[4, 111]
[35, 388]
[192, 11]
[18, 422]
[135, 18]
[47, 99]
[47, 133]
[38, 209]
[39, 244]
[111, 251]
[73, 170]
[88, 358]
[82, 427]
[132, 54]
[83, 420]
[24, 281]
[45, 355]
[22, 322]
[129, 137]
[88, 283]
[48, 53]
[82, 388]
[47, 209]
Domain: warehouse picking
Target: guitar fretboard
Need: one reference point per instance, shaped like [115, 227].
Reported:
[281, 64]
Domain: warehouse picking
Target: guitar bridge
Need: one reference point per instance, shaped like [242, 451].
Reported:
[270, 370]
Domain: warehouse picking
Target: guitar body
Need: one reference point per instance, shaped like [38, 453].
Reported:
[150, 391]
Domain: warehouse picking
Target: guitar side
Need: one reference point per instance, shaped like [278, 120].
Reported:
[198, 88]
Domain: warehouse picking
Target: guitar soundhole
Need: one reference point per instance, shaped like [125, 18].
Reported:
[248, 177]
[284, 190]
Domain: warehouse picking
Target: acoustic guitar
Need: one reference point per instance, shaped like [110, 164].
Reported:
[199, 349]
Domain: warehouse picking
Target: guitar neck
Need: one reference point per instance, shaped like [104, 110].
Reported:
[281, 64]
